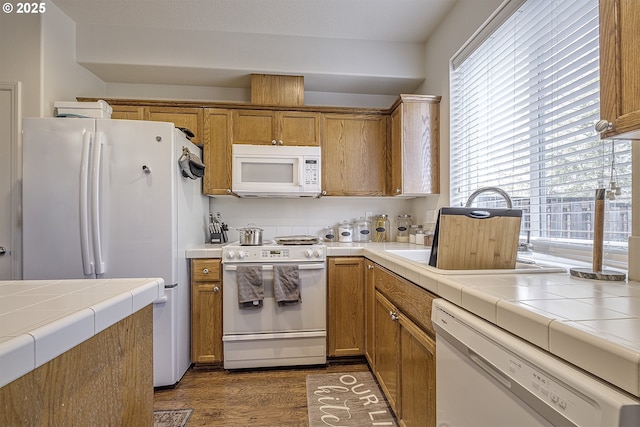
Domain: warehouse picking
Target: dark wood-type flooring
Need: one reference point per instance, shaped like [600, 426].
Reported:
[266, 397]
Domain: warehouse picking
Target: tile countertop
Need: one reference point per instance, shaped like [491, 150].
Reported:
[41, 319]
[590, 323]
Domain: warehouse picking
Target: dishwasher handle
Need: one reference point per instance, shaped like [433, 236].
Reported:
[483, 364]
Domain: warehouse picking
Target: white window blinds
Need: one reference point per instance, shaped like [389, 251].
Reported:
[523, 107]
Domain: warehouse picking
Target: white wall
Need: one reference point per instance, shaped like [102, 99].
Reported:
[302, 216]
[39, 51]
[62, 78]
[20, 53]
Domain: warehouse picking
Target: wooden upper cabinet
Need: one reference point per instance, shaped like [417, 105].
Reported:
[127, 112]
[267, 127]
[354, 153]
[182, 117]
[253, 127]
[415, 146]
[298, 127]
[217, 151]
[619, 64]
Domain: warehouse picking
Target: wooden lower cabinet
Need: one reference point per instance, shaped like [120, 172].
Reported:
[369, 310]
[345, 312]
[404, 348]
[387, 349]
[206, 311]
[417, 373]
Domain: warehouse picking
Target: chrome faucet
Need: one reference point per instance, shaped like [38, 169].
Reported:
[487, 190]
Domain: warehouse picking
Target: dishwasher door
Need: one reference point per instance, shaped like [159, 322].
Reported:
[488, 377]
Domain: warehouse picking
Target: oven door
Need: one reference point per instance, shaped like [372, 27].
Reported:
[309, 315]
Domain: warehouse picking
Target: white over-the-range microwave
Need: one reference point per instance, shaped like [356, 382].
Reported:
[275, 171]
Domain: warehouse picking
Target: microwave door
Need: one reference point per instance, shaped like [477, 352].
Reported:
[255, 174]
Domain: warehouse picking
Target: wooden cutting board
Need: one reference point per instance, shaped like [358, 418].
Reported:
[476, 239]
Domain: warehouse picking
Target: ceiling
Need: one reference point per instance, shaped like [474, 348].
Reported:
[367, 39]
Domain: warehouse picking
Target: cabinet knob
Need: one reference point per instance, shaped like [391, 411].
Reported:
[280, 142]
[205, 271]
[393, 315]
[216, 289]
[273, 142]
[370, 267]
[398, 191]
[603, 126]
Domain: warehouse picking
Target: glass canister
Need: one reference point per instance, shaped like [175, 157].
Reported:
[403, 226]
[328, 234]
[362, 231]
[413, 230]
[381, 228]
[345, 232]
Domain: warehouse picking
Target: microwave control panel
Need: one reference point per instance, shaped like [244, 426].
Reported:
[311, 171]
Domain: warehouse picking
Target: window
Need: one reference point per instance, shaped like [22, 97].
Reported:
[524, 101]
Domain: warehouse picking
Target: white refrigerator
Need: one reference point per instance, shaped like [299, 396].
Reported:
[107, 199]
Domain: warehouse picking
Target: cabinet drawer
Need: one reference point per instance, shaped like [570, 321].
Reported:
[410, 299]
[205, 270]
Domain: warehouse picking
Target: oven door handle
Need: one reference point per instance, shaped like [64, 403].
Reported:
[269, 267]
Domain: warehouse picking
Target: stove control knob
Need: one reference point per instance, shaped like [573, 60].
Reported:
[231, 255]
[242, 254]
[318, 253]
[308, 253]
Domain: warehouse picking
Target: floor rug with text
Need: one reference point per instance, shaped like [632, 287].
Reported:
[171, 418]
[346, 399]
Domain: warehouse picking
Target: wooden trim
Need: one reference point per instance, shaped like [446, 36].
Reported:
[234, 105]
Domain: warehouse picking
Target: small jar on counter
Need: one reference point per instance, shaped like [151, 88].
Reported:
[412, 232]
[404, 224]
[419, 237]
[381, 228]
[328, 234]
[345, 232]
[428, 238]
[362, 231]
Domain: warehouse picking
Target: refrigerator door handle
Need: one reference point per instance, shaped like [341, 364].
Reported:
[87, 264]
[95, 202]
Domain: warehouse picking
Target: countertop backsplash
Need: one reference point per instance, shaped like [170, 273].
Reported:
[283, 217]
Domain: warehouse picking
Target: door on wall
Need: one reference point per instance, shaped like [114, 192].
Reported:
[9, 179]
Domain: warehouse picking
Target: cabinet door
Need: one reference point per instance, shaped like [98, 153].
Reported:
[206, 311]
[387, 349]
[190, 118]
[345, 332]
[253, 127]
[619, 63]
[415, 146]
[369, 312]
[127, 112]
[417, 376]
[396, 152]
[298, 128]
[217, 151]
[354, 154]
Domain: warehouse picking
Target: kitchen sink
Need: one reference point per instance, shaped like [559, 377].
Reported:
[421, 256]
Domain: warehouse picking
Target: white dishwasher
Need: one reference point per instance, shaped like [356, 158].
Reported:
[486, 376]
